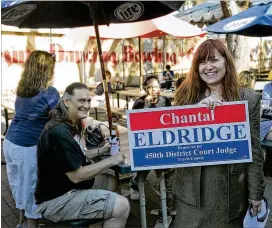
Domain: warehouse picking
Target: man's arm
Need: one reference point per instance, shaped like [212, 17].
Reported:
[139, 103]
[88, 172]
[105, 150]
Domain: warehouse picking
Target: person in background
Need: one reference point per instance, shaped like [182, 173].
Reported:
[152, 99]
[168, 76]
[218, 195]
[267, 92]
[68, 186]
[179, 82]
[246, 79]
[266, 126]
[98, 93]
[35, 98]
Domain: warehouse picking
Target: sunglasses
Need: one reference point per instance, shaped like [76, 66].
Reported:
[153, 87]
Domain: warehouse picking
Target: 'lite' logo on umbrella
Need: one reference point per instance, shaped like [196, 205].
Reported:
[237, 24]
[129, 11]
[17, 12]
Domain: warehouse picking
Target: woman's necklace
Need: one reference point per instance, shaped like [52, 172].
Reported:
[216, 94]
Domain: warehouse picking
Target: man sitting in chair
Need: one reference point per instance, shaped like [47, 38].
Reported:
[68, 187]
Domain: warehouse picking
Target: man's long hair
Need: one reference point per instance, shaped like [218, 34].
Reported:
[60, 113]
[193, 88]
[37, 74]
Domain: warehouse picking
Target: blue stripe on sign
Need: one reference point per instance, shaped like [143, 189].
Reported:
[197, 153]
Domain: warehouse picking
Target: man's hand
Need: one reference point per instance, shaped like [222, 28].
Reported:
[150, 99]
[211, 103]
[105, 150]
[256, 206]
[118, 158]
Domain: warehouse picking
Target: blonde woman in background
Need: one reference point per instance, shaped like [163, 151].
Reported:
[35, 97]
[246, 79]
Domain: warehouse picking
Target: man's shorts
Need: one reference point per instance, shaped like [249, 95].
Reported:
[80, 204]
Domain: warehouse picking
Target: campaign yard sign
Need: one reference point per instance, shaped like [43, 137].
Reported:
[186, 136]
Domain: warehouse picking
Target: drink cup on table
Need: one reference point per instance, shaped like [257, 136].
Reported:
[114, 140]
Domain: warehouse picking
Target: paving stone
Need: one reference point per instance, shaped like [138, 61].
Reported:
[3, 173]
[3, 202]
[6, 184]
[11, 220]
[9, 199]
[3, 224]
[5, 193]
[16, 212]
[3, 188]
[6, 211]
[12, 205]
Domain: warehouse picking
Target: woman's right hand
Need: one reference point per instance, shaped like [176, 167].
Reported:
[211, 103]
[118, 158]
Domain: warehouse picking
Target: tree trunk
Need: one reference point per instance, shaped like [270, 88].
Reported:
[237, 45]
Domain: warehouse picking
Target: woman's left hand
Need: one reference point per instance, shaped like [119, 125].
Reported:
[256, 206]
[211, 103]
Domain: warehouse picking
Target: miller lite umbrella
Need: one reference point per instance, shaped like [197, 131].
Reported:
[70, 14]
[256, 22]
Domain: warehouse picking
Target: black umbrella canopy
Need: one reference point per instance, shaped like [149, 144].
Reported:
[69, 14]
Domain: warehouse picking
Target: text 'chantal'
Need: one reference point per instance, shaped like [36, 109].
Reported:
[171, 118]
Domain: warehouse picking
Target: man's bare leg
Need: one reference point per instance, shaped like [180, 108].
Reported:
[120, 213]
[112, 183]
[32, 223]
[22, 217]
[97, 225]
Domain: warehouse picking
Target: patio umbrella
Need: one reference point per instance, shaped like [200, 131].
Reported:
[165, 25]
[207, 12]
[256, 22]
[70, 14]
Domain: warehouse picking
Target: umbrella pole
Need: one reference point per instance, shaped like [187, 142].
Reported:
[123, 62]
[163, 52]
[140, 65]
[260, 56]
[50, 40]
[105, 84]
